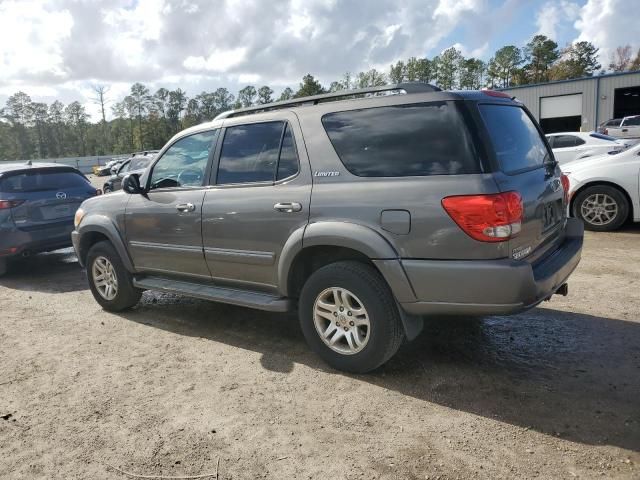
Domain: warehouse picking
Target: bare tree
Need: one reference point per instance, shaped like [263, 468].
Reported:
[100, 98]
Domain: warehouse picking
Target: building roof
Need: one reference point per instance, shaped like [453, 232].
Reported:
[555, 82]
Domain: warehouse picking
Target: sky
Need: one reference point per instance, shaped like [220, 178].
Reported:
[58, 49]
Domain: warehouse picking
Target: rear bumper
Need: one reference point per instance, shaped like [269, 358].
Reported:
[38, 240]
[493, 287]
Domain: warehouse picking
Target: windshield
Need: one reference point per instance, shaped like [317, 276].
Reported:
[517, 142]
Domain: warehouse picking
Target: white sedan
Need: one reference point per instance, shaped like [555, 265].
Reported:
[569, 146]
[604, 191]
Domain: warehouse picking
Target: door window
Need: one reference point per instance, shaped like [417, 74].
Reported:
[259, 152]
[184, 163]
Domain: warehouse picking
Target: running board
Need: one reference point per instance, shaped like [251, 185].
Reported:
[242, 298]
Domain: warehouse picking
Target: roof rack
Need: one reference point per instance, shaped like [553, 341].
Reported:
[409, 87]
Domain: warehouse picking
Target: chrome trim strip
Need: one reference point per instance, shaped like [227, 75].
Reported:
[240, 256]
[165, 246]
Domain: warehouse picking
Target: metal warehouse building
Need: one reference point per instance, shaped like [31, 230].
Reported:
[583, 103]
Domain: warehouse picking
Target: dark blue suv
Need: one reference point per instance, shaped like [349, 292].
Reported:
[37, 206]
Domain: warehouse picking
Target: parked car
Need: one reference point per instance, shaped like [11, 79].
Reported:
[102, 170]
[136, 164]
[604, 189]
[569, 146]
[365, 211]
[37, 205]
[614, 122]
[629, 128]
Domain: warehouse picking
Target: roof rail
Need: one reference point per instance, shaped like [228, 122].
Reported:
[409, 87]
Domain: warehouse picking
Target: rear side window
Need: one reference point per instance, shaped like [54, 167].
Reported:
[405, 140]
[517, 142]
[564, 141]
[39, 181]
[258, 152]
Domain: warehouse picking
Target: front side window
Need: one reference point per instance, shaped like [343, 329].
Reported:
[258, 152]
[184, 163]
[631, 122]
[404, 140]
[517, 142]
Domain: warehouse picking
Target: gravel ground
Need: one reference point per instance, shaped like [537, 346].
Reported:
[184, 387]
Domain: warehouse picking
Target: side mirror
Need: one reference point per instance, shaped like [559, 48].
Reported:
[131, 184]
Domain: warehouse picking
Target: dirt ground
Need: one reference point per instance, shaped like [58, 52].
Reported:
[180, 387]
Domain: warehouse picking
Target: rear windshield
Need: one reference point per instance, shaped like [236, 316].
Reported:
[516, 140]
[37, 181]
[404, 140]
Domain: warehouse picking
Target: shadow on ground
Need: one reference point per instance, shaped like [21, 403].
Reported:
[50, 272]
[569, 375]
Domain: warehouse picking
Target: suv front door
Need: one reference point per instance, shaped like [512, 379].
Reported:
[260, 195]
[164, 226]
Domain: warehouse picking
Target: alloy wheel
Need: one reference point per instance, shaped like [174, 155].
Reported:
[599, 209]
[341, 320]
[104, 278]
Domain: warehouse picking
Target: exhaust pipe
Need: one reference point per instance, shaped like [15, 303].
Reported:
[563, 290]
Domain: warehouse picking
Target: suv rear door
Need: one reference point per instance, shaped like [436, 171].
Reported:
[164, 226]
[260, 195]
[525, 165]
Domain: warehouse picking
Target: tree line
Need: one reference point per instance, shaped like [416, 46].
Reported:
[145, 120]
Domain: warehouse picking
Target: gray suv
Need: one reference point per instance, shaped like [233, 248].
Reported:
[364, 209]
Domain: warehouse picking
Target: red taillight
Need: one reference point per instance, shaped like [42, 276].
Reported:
[493, 93]
[606, 131]
[5, 204]
[565, 186]
[487, 218]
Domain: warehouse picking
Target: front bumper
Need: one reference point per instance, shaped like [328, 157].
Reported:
[492, 287]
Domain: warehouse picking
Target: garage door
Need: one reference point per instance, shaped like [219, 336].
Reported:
[562, 106]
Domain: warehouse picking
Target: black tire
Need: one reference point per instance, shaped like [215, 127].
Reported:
[622, 205]
[3, 266]
[106, 188]
[126, 295]
[385, 334]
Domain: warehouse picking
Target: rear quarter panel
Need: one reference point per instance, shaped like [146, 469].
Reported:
[349, 198]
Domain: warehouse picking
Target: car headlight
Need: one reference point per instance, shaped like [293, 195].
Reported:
[78, 217]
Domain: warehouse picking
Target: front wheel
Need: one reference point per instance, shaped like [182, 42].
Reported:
[110, 282]
[349, 317]
[602, 208]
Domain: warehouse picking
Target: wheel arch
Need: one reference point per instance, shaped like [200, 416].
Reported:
[97, 228]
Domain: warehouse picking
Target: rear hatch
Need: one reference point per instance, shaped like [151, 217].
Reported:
[44, 197]
[525, 164]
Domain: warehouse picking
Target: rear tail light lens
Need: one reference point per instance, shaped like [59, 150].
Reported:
[5, 204]
[565, 186]
[606, 131]
[487, 218]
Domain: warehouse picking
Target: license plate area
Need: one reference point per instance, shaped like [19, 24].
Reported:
[551, 215]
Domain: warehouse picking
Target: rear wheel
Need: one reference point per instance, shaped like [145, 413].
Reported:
[106, 188]
[3, 266]
[110, 282]
[349, 317]
[602, 208]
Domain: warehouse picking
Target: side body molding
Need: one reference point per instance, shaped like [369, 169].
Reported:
[96, 223]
